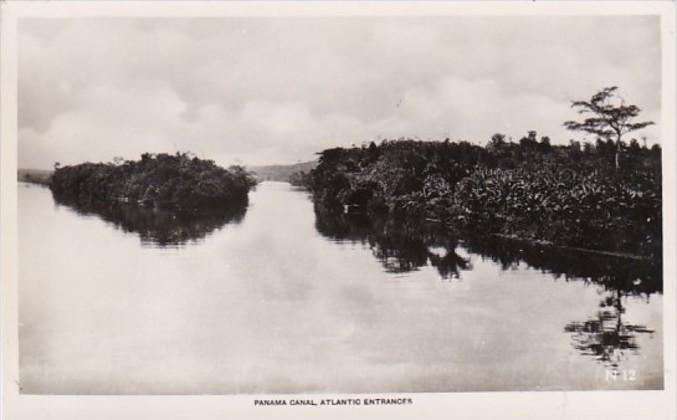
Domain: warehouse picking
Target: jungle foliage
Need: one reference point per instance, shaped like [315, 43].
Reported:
[566, 195]
[165, 181]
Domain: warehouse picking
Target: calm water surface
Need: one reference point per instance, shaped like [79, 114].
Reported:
[279, 300]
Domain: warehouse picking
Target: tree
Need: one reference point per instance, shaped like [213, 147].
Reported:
[610, 117]
[497, 140]
[529, 142]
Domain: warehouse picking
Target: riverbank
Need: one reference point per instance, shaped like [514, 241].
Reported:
[550, 244]
[564, 195]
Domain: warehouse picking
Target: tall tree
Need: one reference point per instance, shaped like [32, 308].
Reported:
[610, 118]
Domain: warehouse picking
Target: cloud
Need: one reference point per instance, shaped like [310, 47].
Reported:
[276, 90]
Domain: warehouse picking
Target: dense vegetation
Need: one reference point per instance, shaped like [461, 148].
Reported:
[163, 180]
[567, 195]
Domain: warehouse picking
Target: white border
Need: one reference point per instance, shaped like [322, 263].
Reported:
[495, 405]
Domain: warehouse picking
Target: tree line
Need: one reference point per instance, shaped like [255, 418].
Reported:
[160, 180]
[603, 195]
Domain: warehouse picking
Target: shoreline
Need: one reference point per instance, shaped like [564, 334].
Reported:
[550, 244]
[513, 238]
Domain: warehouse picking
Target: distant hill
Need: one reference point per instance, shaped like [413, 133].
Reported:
[280, 172]
[35, 176]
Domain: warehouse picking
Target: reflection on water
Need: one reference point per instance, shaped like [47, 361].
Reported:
[631, 275]
[157, 226]
[606, 337]
[291, 300]
[400, 247]
[406, 246]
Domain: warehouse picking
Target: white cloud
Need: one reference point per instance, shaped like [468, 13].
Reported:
[266, 90]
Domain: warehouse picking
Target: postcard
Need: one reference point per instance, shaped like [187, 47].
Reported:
[338, 209]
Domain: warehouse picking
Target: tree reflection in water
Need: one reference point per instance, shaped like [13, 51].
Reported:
[630, 275]
[604, 336]
[399, 246]
[159, 227]
[407, 246]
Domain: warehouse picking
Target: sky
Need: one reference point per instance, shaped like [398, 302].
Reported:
[266, 90]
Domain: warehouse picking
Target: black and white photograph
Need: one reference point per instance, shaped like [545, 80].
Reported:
[380, 206]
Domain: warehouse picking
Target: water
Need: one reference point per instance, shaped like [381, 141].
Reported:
[279, 300]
